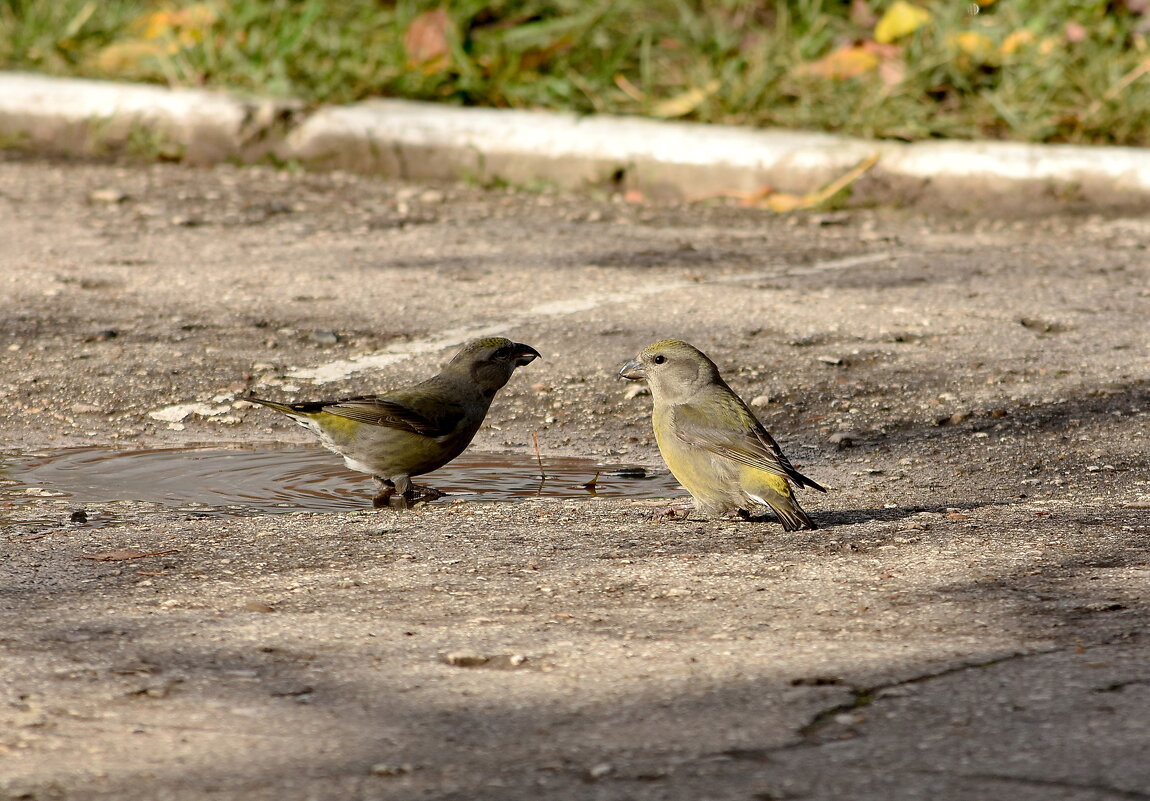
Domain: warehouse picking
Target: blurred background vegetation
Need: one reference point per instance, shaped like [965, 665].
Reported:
[1033, 70]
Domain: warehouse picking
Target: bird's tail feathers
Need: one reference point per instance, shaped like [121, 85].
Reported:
[793, 517]
[790, 514]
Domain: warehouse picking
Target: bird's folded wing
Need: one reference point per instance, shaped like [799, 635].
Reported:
[748, 444]
[390, 413]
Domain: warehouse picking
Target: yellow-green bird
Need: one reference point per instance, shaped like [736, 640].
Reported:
[710, 440]
[416, 429]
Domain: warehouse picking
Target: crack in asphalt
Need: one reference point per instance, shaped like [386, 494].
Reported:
[863, 697]
[1034, 781]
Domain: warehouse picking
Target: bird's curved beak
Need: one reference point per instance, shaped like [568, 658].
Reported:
[525, 354]
[633, 371]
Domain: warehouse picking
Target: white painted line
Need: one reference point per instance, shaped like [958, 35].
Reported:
[334, 371]
[342, 368]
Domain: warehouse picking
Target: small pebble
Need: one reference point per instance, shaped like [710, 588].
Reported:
[107, 196]
[102, 335]
[321, 337]
[844, 439]
[599, 771]
[388, 769]
[464, 659]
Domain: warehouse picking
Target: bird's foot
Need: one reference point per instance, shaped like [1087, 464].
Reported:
[414, 494]
[673, 512]
[418, 494]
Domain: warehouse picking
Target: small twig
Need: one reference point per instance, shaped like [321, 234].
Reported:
[843, 181]
[538, 455]
[124, 555]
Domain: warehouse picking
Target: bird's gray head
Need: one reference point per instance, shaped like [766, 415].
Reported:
[673, 369]
[490, 361]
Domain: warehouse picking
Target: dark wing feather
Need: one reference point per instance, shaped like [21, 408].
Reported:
[391, 413]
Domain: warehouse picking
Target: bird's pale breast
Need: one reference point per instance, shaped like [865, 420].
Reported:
[707, 476]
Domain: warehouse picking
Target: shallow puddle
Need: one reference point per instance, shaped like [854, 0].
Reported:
[239, 481]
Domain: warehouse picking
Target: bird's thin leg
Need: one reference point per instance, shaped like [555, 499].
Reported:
[386, 490]
[414, 493]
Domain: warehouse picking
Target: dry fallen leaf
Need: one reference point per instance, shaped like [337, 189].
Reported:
[130, 56]
[425, 42]
[1015, 41]
[900, 19]
[767, 198]
[784, 202]
[854, 60]
[684, 103]
[631, 90]
[189, 25]
[973, 49]
[861, 14]
[849, 61]
[156, 36]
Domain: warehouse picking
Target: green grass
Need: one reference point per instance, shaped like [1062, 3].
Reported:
[1077, 78]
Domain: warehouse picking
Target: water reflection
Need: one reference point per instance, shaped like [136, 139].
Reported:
[279, 479]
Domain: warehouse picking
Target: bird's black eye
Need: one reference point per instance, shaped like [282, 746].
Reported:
[659, 359]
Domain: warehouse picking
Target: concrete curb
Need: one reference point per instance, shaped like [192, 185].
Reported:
[84, 117]
[422, 141]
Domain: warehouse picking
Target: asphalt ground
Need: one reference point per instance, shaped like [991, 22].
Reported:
[968, 622]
